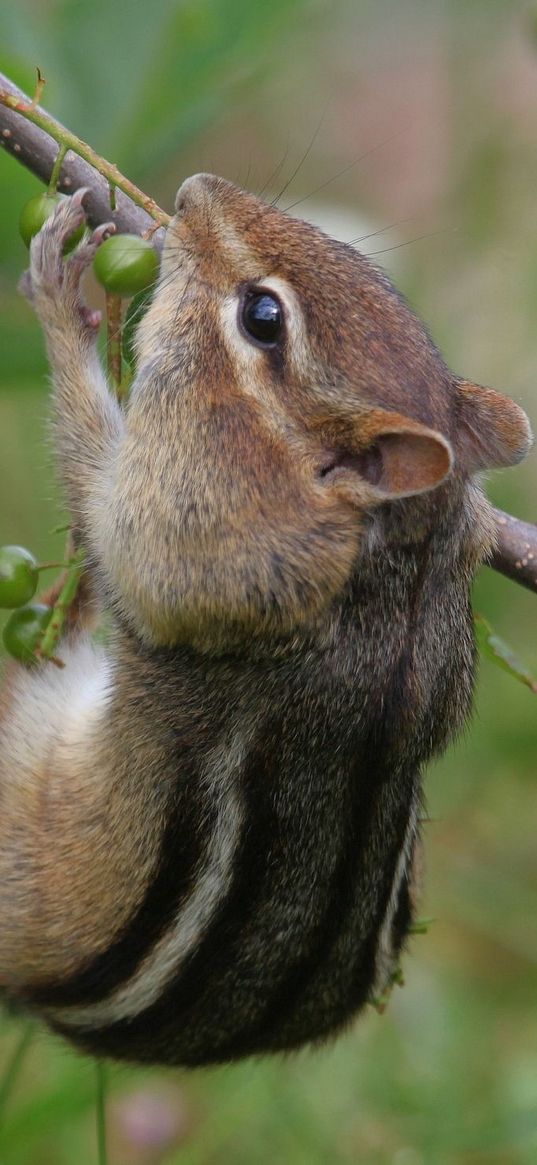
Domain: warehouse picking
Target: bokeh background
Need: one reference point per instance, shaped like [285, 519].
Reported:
[413, 127]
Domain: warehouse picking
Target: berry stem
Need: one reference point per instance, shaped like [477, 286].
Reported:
[39, 86]
[56, 170]
[114, 315]
[53, 631]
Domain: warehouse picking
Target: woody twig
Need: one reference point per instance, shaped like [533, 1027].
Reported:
[45, 146]
[516, 552]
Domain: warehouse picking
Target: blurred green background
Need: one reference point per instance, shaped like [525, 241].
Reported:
[419, 121]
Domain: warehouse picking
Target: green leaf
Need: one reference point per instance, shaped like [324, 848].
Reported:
[501, 654]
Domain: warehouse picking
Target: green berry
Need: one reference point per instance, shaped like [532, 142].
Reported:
[24, 629]
[125, 264]
[35, 212]
[18, 576]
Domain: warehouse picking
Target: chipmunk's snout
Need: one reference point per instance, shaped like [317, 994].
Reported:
[193, 192]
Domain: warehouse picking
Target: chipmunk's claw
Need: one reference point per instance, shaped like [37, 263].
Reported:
[52, 283]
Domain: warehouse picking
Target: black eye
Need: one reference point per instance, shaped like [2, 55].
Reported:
[262, 317]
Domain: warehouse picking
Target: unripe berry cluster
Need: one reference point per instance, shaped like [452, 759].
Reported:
[19, 575]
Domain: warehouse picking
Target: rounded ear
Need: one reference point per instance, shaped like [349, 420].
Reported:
[384, 456]
[492, 432]
[412, 462]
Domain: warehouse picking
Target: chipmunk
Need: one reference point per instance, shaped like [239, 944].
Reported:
[209, 827]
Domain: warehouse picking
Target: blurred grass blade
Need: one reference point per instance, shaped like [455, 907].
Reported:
[102, 1156]
[14, 1064]
[501, 654]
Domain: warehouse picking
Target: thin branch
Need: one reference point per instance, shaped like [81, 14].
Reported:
[516, 553]
[33, 137]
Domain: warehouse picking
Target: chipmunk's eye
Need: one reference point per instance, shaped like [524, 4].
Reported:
[261, 317]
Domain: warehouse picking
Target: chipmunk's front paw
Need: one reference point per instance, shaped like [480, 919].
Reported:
[52, 282]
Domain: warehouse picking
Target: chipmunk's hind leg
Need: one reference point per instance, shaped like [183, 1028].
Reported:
[47, 793]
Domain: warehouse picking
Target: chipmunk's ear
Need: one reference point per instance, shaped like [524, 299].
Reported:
[388, 456]
[491, 431]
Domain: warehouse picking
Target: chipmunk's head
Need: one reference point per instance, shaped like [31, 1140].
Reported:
[285, 393]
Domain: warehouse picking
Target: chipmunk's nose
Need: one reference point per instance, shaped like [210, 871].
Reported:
[193, 192]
